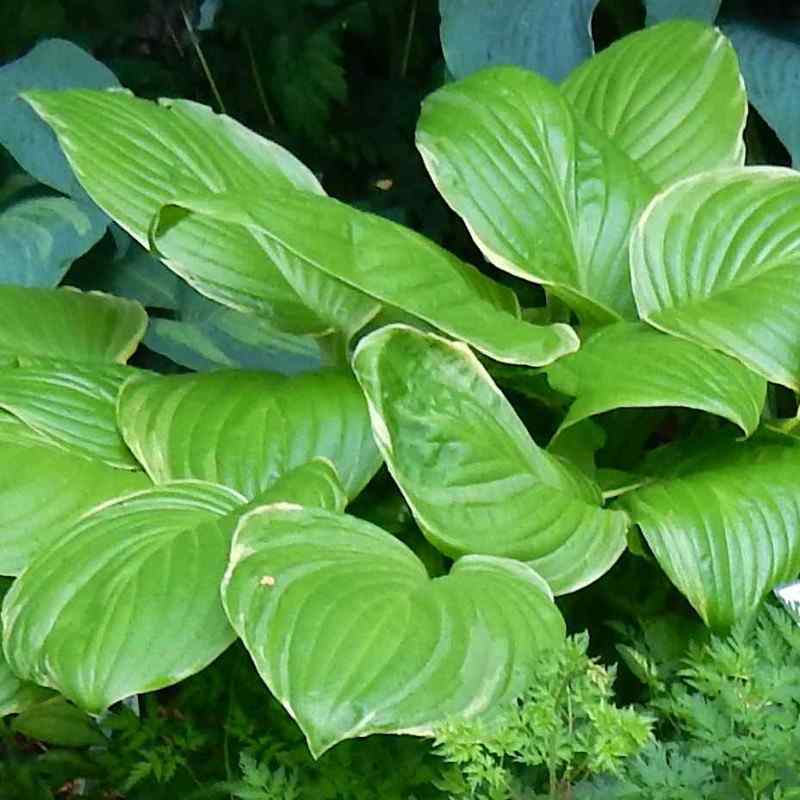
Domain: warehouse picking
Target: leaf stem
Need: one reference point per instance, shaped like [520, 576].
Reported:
[203, 63]
[262, 95]
[412, 20]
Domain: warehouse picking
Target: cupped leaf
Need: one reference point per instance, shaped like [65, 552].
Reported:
[127, 601]
[472, 475]
[671, 97]
[245, 429]
[549, 38]
[352, 636]
[725, 524]
[546, 196]
[716, 259]
[132, 156]
[630, 365]
[44, 490]
[661, 10]
[72, 406]
[66, 323]
[395, 265]
[40, 237]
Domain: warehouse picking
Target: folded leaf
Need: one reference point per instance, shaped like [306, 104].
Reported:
[546, 196]
[472, 475]
[671, 97]
[246, 429]
[716, 259]
[65, 323]
[725, 525]
[630, 365]
[351, 635]
[395, 265]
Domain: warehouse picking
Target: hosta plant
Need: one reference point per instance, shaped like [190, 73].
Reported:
[150, 519]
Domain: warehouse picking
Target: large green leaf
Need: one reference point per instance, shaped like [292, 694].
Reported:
[73, 406]
[630, 365]
[44, 490]
[546, 196]
[549, 38]
[133, 156]
[671, 97]
[472, 475]
[395, 265]
[661, 10]
[351, 635]
[245, 429]
[40, 237]
[65, 323]
[716, 259]
[725, 525]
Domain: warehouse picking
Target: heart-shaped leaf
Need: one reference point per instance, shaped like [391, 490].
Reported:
[245, 429]
[472, 475]
[725, 525]
[44, 490]
[351, 635]
[716, 259]
[630, 365]
[546, 196]
[132, 156]
[72, 406]
[671, 97]
[68, 324]
[395, 265]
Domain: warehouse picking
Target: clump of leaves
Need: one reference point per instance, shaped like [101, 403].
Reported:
[562, 729]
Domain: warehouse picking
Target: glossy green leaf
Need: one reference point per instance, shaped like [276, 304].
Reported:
[133, 156]
[127, 601]
[66, 323]
[661, 10]
[725, 524]
[630, 365]
[40, 237]
[671, 97]
[472, 475]
[44, 490]
[546, 37]
[59, 723]
[72, 406]
[352, 636]
[395, 265]
[716, 259]
[245, 429]
[546, 196]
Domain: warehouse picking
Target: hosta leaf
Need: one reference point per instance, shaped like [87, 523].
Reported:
[661, 10]
[133, 156]
[245, 429]
[60, 723]
[475, 480]
[630, 365]
[44, 490]
[671, 97]
[127, 601]
[351, 635]
[65, 323]
[716, 259]
[395, 265]
[74, 407]
[545, 196]
[549, 38]
[725, 525]
[40, 237]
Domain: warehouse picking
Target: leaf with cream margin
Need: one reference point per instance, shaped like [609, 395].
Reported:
[630, 365]
[716, 259]
[545, 195]
[66, 323]
[724, 524]
[44, 490]
[393, 264]
[352, 636]
[473, 477]
[670, 96]
[245, 429]
[132, 156]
